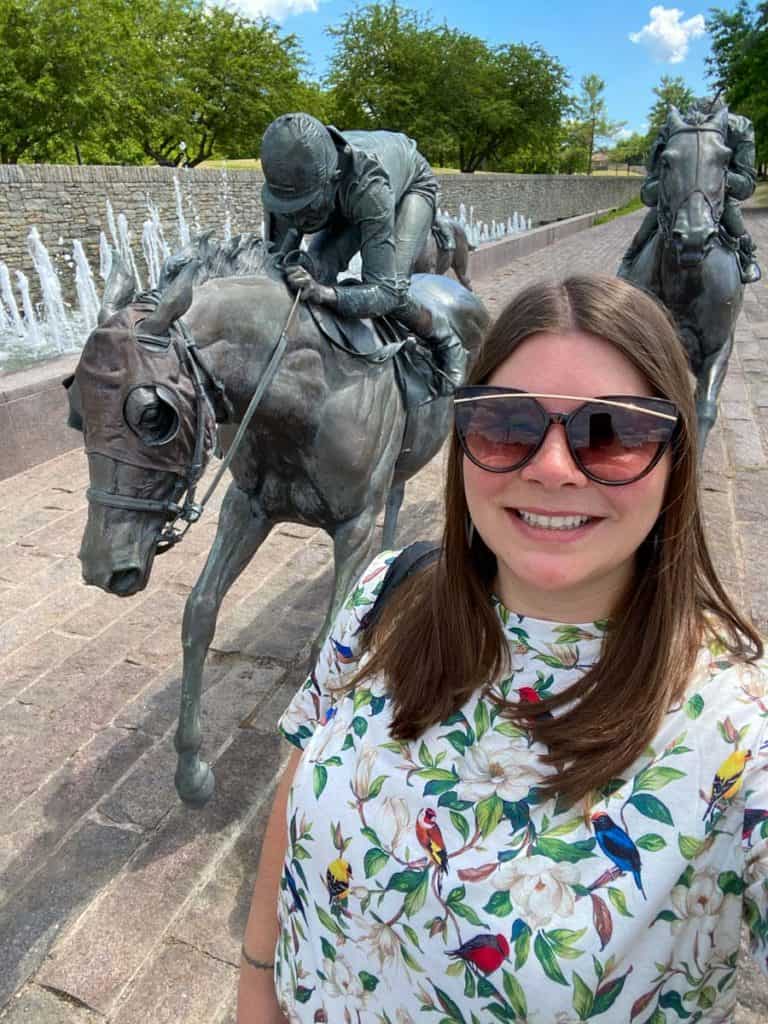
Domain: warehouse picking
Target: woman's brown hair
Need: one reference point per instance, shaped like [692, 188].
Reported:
[439, 638]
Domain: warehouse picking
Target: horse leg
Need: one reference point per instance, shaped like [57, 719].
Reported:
[709, 381]
[354, 546]
[391, 512]
[240, 532]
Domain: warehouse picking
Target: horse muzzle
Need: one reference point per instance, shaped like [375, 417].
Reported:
[691, 251]
[118, 549]
[124, 582]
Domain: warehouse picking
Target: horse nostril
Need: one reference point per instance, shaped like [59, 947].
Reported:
[124, 582]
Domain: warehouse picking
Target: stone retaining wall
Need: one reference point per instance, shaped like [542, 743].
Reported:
[70, 202]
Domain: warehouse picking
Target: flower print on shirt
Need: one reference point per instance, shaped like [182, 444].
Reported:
[491, 767]
[457, 892]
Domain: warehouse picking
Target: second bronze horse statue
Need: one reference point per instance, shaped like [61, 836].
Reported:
[330, 445]
[690, 264]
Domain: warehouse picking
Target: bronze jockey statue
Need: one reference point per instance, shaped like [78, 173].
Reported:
[366, 192]
[740, 184]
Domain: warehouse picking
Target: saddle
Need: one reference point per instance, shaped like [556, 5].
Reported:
[379, 341]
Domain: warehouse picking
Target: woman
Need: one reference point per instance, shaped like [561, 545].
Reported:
[536, 791]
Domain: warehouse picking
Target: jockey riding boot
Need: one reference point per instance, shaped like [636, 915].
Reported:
[647, 228]
[748, 266]
[450, 355]
[627, 260]
[435, 329]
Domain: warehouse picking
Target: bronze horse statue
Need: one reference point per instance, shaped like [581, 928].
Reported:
[689, 263]
[330, 444]
[434, 259]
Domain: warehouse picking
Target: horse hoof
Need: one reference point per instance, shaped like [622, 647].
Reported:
[196, 789]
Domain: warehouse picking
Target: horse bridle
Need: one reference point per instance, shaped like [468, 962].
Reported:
[190, 511]
[172, 507]
[667, 219]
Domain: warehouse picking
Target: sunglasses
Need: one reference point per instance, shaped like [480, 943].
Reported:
[614, 439]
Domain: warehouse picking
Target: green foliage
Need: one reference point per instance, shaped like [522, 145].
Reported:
[738, 64]
[670, 92]
[631, 150]
[589, 125]
[462, 100]
[105, 80]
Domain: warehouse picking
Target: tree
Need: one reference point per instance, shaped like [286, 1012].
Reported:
[211, 79]
[57, 83]
[738, 64]
[591, 122]
[463, 101]
[111, 80]
[382, 67]
[631, 150]
[503, 111]
[670, 92]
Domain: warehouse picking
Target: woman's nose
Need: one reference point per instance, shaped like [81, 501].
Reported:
[553, 465]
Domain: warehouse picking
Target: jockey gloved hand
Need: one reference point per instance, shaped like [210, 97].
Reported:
[300, 279]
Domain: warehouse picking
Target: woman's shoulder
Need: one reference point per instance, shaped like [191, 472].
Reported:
[369, 585]
[719, 664]
[726, 689]
[361, 599]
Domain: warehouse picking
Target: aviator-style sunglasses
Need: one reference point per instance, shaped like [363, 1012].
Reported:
[613, 439]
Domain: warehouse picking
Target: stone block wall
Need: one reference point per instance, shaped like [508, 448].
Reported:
[65, 203]
[542, 197]
[71, 202]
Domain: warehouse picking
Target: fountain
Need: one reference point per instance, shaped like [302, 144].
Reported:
[479, 233]
[31, 331]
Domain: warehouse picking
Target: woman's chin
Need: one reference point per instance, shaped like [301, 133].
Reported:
[558, 589]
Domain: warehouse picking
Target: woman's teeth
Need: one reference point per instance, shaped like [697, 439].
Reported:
[553, 522]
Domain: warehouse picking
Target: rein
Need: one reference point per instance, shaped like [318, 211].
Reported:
[190, 511]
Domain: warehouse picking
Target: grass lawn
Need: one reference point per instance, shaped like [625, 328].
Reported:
[255, 165]
[231, 165]
[630, 207]
[618, 174]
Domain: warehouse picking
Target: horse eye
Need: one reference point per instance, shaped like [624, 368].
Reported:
[150, 417]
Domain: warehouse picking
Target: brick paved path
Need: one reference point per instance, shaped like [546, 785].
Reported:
[116, 902]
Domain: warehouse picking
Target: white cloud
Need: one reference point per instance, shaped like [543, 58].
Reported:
[666, 36]
[277, 9]
[623, 133]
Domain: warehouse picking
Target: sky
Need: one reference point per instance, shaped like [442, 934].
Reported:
[630, 45]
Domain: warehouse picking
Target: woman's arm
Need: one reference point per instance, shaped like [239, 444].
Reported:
[256, 999]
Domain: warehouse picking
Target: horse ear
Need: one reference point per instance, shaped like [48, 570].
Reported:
[174, 303]
[674, 118]
[75, 417]
[119, 289]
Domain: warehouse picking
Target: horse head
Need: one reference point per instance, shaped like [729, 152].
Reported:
[149, 427]
[692, 180]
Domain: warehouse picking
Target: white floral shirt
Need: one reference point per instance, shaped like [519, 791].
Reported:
[429, 880]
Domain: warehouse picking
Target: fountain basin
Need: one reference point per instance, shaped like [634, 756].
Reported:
[33, 416]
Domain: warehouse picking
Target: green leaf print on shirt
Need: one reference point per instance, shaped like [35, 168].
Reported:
[453, 847]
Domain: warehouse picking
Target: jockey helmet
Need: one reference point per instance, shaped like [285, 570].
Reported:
[299, 160]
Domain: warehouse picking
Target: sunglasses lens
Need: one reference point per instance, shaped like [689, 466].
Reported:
[617, 444]
[499, 433]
